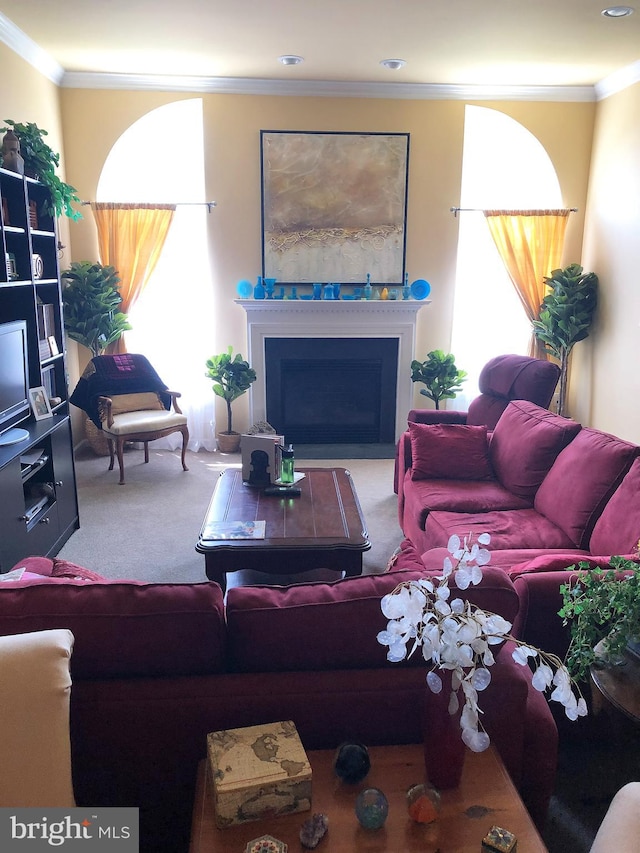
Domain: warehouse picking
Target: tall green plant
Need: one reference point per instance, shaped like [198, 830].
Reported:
[566, 315]
[232, 377]
[41, 162]
[439, 373]
[91, 299]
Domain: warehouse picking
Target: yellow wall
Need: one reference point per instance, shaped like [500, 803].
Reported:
[605, 372]
[90, 121]
[93, 120]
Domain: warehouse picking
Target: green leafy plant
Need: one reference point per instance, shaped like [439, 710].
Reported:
[91, 299]
[440, 374]
[232, 377]
[41, 162]
[600, 605]
[566, 315]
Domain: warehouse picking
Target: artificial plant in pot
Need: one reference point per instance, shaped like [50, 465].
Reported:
[91, 299]
[439, 373]
[602, 608]
[93, 318]
[232, 377]
[41, 162]
[566, 314]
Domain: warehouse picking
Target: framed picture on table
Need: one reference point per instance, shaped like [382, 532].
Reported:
[334, 206]
[39, 401]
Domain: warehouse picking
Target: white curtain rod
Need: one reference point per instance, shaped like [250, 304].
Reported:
[457, 210]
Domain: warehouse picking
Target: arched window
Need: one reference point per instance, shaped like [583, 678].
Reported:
[160, 158]
[503, 166]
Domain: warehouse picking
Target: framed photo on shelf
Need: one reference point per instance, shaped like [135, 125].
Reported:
[334, 206]
[53, 346]
[39, 401]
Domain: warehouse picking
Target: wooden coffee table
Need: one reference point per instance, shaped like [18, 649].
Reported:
[486, 797]
[323, 528]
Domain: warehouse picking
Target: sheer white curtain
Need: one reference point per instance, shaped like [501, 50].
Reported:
[504, 166]
[173, 320]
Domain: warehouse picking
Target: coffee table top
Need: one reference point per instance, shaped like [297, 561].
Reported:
[326, 515]
[486, 797]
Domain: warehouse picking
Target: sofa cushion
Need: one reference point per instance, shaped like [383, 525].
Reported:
[581, 481]
[512, 528]
[424, 496]
[525, 443]
[617, 530]
[330, 625]
[124, 629]
[449, 452]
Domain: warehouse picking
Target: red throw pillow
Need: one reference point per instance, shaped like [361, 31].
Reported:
[449, 452]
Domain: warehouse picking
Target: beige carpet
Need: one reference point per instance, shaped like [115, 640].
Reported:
[147, 529]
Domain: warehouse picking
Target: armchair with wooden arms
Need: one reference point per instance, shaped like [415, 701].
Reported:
[126, 399]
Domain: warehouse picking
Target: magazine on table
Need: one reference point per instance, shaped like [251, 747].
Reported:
[234, 530]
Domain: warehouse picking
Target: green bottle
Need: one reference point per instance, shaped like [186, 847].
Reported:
[287, 465]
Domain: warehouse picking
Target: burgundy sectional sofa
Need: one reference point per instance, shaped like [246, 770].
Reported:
[549, 491]
[155, 667]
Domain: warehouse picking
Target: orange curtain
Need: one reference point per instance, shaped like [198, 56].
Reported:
[130, 238]
[530, 243]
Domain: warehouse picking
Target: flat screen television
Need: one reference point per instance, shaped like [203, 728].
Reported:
[14, 382]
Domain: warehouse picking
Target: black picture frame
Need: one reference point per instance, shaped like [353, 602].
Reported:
[334, 206]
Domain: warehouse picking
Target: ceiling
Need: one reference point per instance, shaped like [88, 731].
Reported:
[485, 43]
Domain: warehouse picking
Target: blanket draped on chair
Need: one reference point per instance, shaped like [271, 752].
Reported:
[106, 375]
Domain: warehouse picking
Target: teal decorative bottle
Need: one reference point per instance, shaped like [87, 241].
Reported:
[368, 290]
[406, 290]
[258, 290]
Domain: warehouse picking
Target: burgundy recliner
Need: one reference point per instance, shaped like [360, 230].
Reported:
[502, 379]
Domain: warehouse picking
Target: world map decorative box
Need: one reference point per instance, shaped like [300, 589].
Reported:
[258, 772]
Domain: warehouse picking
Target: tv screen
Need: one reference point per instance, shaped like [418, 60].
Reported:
[14, 380]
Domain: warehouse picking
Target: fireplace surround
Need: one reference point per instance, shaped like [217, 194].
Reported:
[392, 323]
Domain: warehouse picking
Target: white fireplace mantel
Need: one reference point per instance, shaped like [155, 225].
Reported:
[298, 318]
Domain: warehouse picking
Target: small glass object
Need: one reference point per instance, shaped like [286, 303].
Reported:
[287, 464]
[269, 287]
[372, 808]
[328, 291]
[423, 803]
[406, 290]
[258, 290]
[317, 290]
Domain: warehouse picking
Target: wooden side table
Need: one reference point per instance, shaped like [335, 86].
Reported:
[619, 685]
[486, 796]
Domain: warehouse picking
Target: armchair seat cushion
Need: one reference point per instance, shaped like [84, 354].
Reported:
[143, 421]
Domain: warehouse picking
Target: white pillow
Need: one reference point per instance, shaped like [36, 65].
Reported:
[35, 746]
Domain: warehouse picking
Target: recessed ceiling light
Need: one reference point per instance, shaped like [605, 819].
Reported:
[617, 11]
[290, 59]
[393, 64]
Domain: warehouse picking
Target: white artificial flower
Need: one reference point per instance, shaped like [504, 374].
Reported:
[455, 635]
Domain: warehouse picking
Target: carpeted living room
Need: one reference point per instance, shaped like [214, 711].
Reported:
[346, 287]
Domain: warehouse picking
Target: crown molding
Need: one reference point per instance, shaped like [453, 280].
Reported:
[323, 88]
[28, 50]
[619, 80]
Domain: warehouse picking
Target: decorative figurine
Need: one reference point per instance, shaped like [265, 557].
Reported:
[423, 803]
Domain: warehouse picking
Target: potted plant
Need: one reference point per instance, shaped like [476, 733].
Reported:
[440, 374]
[232, 377]
[91, 299]
[93, 318]
[41, 162]
[566, 314]
[602, 608]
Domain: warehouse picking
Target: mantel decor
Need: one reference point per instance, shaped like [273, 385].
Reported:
[334, 206]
